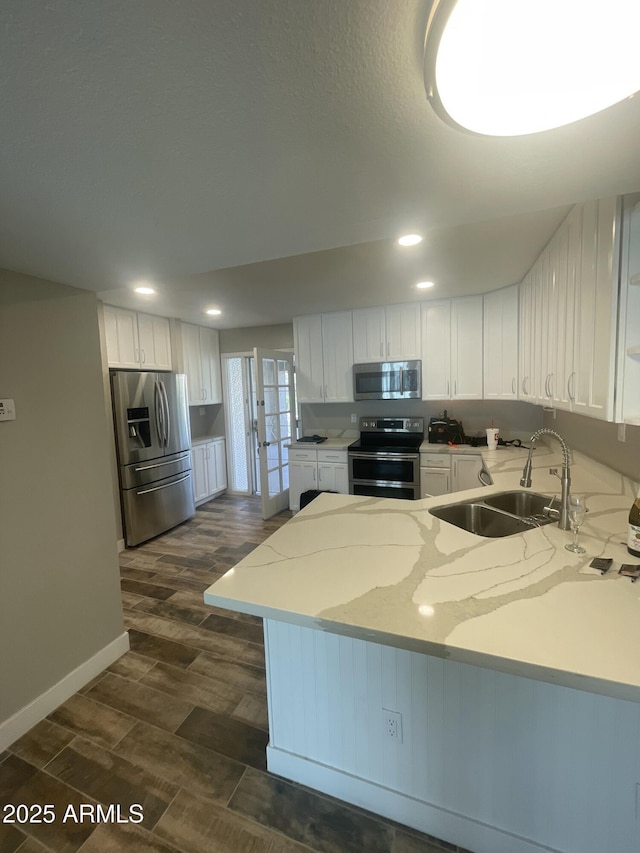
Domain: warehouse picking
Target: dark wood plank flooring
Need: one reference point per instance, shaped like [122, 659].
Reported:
[179, 725]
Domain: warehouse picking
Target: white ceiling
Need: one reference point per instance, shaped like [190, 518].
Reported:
[262, 156]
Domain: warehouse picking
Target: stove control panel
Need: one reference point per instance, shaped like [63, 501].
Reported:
[370, 424]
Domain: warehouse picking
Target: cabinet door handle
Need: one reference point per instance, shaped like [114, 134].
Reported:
[447, 387]
[314, 475]
[455, 388]
[388, 348]
[571, 386]
[513, 385]
[144, 357]
[381, 349]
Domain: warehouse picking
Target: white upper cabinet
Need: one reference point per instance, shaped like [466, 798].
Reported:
[452, 349]
[155, 341]
[595, 314]
[387, 334]
[436, 350]
[466, 348]
[137, 341]
[628, 382]
[324, 357]
[500, 364]
[307, 343]
[568, 314]
[201, 363]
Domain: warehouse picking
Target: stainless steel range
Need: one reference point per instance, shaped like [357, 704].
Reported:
[385, 461]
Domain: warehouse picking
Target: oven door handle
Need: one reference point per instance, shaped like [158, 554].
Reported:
[383, 455]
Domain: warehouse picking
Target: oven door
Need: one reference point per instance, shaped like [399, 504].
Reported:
[393, 475]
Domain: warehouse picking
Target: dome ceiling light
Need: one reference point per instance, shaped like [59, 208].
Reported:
[410, 240]
[512, 67]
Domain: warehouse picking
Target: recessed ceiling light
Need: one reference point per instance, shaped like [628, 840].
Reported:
[423, 285]
[147, 291]
[213, 311]
[410, 240]
[502, 68]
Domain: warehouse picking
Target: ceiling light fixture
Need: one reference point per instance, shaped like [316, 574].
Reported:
[410, 240]
[512, 67]
[214, 312]
[145, 290]
[423, 285]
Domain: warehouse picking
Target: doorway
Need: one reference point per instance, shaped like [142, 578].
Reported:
[257, 439]
[238, 376]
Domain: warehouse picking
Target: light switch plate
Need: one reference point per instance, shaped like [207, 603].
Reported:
[7, 410]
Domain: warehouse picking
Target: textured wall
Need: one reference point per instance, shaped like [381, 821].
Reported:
[59, 582]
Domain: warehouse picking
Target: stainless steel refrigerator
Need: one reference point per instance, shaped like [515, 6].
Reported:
[153, 441]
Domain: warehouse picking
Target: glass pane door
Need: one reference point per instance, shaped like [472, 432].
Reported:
[275, 409]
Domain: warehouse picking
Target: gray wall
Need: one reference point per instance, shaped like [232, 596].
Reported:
[599, 440]
[514, 419]
[59, 584]
[270, 337]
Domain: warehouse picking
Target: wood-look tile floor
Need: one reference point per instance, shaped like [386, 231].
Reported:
[179, 726]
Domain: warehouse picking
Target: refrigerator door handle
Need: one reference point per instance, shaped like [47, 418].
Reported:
[159, 407]
[166, 486]
[167, 418]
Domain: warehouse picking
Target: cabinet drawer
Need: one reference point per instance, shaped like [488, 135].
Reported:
[435, 460]
[296, 455]
[332, 456]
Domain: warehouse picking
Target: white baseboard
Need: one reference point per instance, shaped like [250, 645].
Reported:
[27, 717]
[425, 817]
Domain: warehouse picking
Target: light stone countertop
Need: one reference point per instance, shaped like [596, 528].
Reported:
[204, 439]
[388, 571]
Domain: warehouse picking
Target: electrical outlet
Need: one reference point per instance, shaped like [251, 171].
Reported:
[637, 800]
[392, 721]
[622, 432]
[354, 419]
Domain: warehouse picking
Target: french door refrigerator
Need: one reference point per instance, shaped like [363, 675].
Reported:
[153, 441]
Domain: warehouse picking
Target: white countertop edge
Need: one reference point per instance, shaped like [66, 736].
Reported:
[509, 666]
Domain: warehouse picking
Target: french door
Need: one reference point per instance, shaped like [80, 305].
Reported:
[275, 409]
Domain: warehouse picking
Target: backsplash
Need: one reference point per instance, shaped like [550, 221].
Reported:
[513, 418]
[206, 420]
[599, 440]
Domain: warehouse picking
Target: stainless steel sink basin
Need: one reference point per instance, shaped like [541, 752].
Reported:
[501, 514]
[524, 504]
[482, 520]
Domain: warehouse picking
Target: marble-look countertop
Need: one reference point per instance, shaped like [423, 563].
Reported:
[389, 571]
[204, 439]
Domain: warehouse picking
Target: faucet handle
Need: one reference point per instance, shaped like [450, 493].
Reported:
[554, 471]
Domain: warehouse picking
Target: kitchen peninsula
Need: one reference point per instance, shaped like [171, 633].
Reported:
[486, 691]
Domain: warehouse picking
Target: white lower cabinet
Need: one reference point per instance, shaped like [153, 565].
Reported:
[324, 470]
[209, 469]
[435, 474]
[443, 473]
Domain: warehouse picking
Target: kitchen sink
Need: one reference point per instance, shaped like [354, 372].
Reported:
[501, 514]
[524, 504]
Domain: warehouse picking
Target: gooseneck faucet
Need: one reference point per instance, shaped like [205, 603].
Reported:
[565, 478]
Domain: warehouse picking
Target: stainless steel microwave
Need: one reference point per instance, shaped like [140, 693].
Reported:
[388, 380]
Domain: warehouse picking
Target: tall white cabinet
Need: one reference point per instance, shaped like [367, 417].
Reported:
[452, 349]
[201, 363]
[324, 357]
